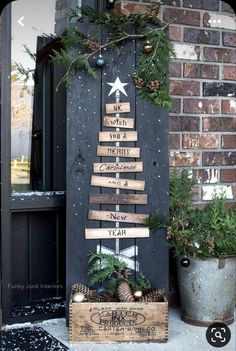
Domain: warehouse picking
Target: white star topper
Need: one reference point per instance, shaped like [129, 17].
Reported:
[117, 85]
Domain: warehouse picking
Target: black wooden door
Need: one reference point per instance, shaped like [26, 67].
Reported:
[33, 222]
[85, 111]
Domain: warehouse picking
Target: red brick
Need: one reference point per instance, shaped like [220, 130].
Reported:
[201, 106]
[234, 191]
[229, 72]
[228, 175]
[219, 124]
[229, 39]
[218, 158]
[219, 55]
[228, 141]
[176, 106]
[185, 87]
[127, 8]
[226, 7]
[175, 33]
[184, 159]
[166, 2]
[202, 4]
[197, 141]
[229, 106]
[174, 141]
[184, 123]
[175, 69]
[191, 18]
[201, 36]
[209, 175]
[196, 193]
[195, 70]
[219, 89]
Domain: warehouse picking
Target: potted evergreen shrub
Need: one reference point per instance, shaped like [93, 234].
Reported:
[204, 242]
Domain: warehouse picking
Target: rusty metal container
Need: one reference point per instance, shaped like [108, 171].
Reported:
[207, 290]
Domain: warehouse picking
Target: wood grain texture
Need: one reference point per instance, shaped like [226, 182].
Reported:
[113, 216]
[114, 151]
[118, 136]
[118, 199]
[128, 321]
[121, 107]
[121, 183]
[118, 122]
[118, 167]
[114, 233]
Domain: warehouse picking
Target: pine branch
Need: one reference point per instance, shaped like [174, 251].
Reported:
[121, 28]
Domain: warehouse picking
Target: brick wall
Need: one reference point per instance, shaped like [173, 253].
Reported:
[203, 75]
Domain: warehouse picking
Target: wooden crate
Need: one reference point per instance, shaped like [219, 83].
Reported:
[110, 322]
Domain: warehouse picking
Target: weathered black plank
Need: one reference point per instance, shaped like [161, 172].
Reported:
[83, 125]
[43, 254]
[19, 253]
[59, 132]
[152, 124]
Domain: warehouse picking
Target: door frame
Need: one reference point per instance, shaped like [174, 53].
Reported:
[5, 160]
[46, 201]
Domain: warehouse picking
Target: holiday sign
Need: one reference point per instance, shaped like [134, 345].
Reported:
[118, 167]
[113, 233]
[118, 183]
[118, 199]
[118, 150]
[118, 136]
[116, 122]
[120, 107]
[117, 216]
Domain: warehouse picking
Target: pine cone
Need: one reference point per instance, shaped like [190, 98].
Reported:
[91, 44]
[156, 295]
[83, 289]
[138, 82]
[124, 274]
[154, 85]
[125, 293]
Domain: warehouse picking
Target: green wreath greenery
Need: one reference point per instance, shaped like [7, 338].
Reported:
[151, 74]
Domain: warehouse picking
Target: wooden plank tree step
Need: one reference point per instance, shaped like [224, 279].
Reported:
[121, 107]
[118, 136]
[114, 233]
[118, 183]
[113, 216]
[115, 151]
[118, 199]
[117, 122]
[118, 167]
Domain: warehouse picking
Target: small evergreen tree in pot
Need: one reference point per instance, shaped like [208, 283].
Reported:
[204, 242]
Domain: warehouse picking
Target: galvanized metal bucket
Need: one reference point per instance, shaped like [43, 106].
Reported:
[207, 290]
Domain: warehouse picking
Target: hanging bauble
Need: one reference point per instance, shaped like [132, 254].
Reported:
[100, 61]
[147, 47]
[185, 262]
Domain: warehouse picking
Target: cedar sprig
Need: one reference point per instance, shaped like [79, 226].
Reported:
[106, 268]
[78, 50]
[141, 283]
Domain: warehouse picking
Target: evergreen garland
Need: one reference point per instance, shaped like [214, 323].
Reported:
[151, 74]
